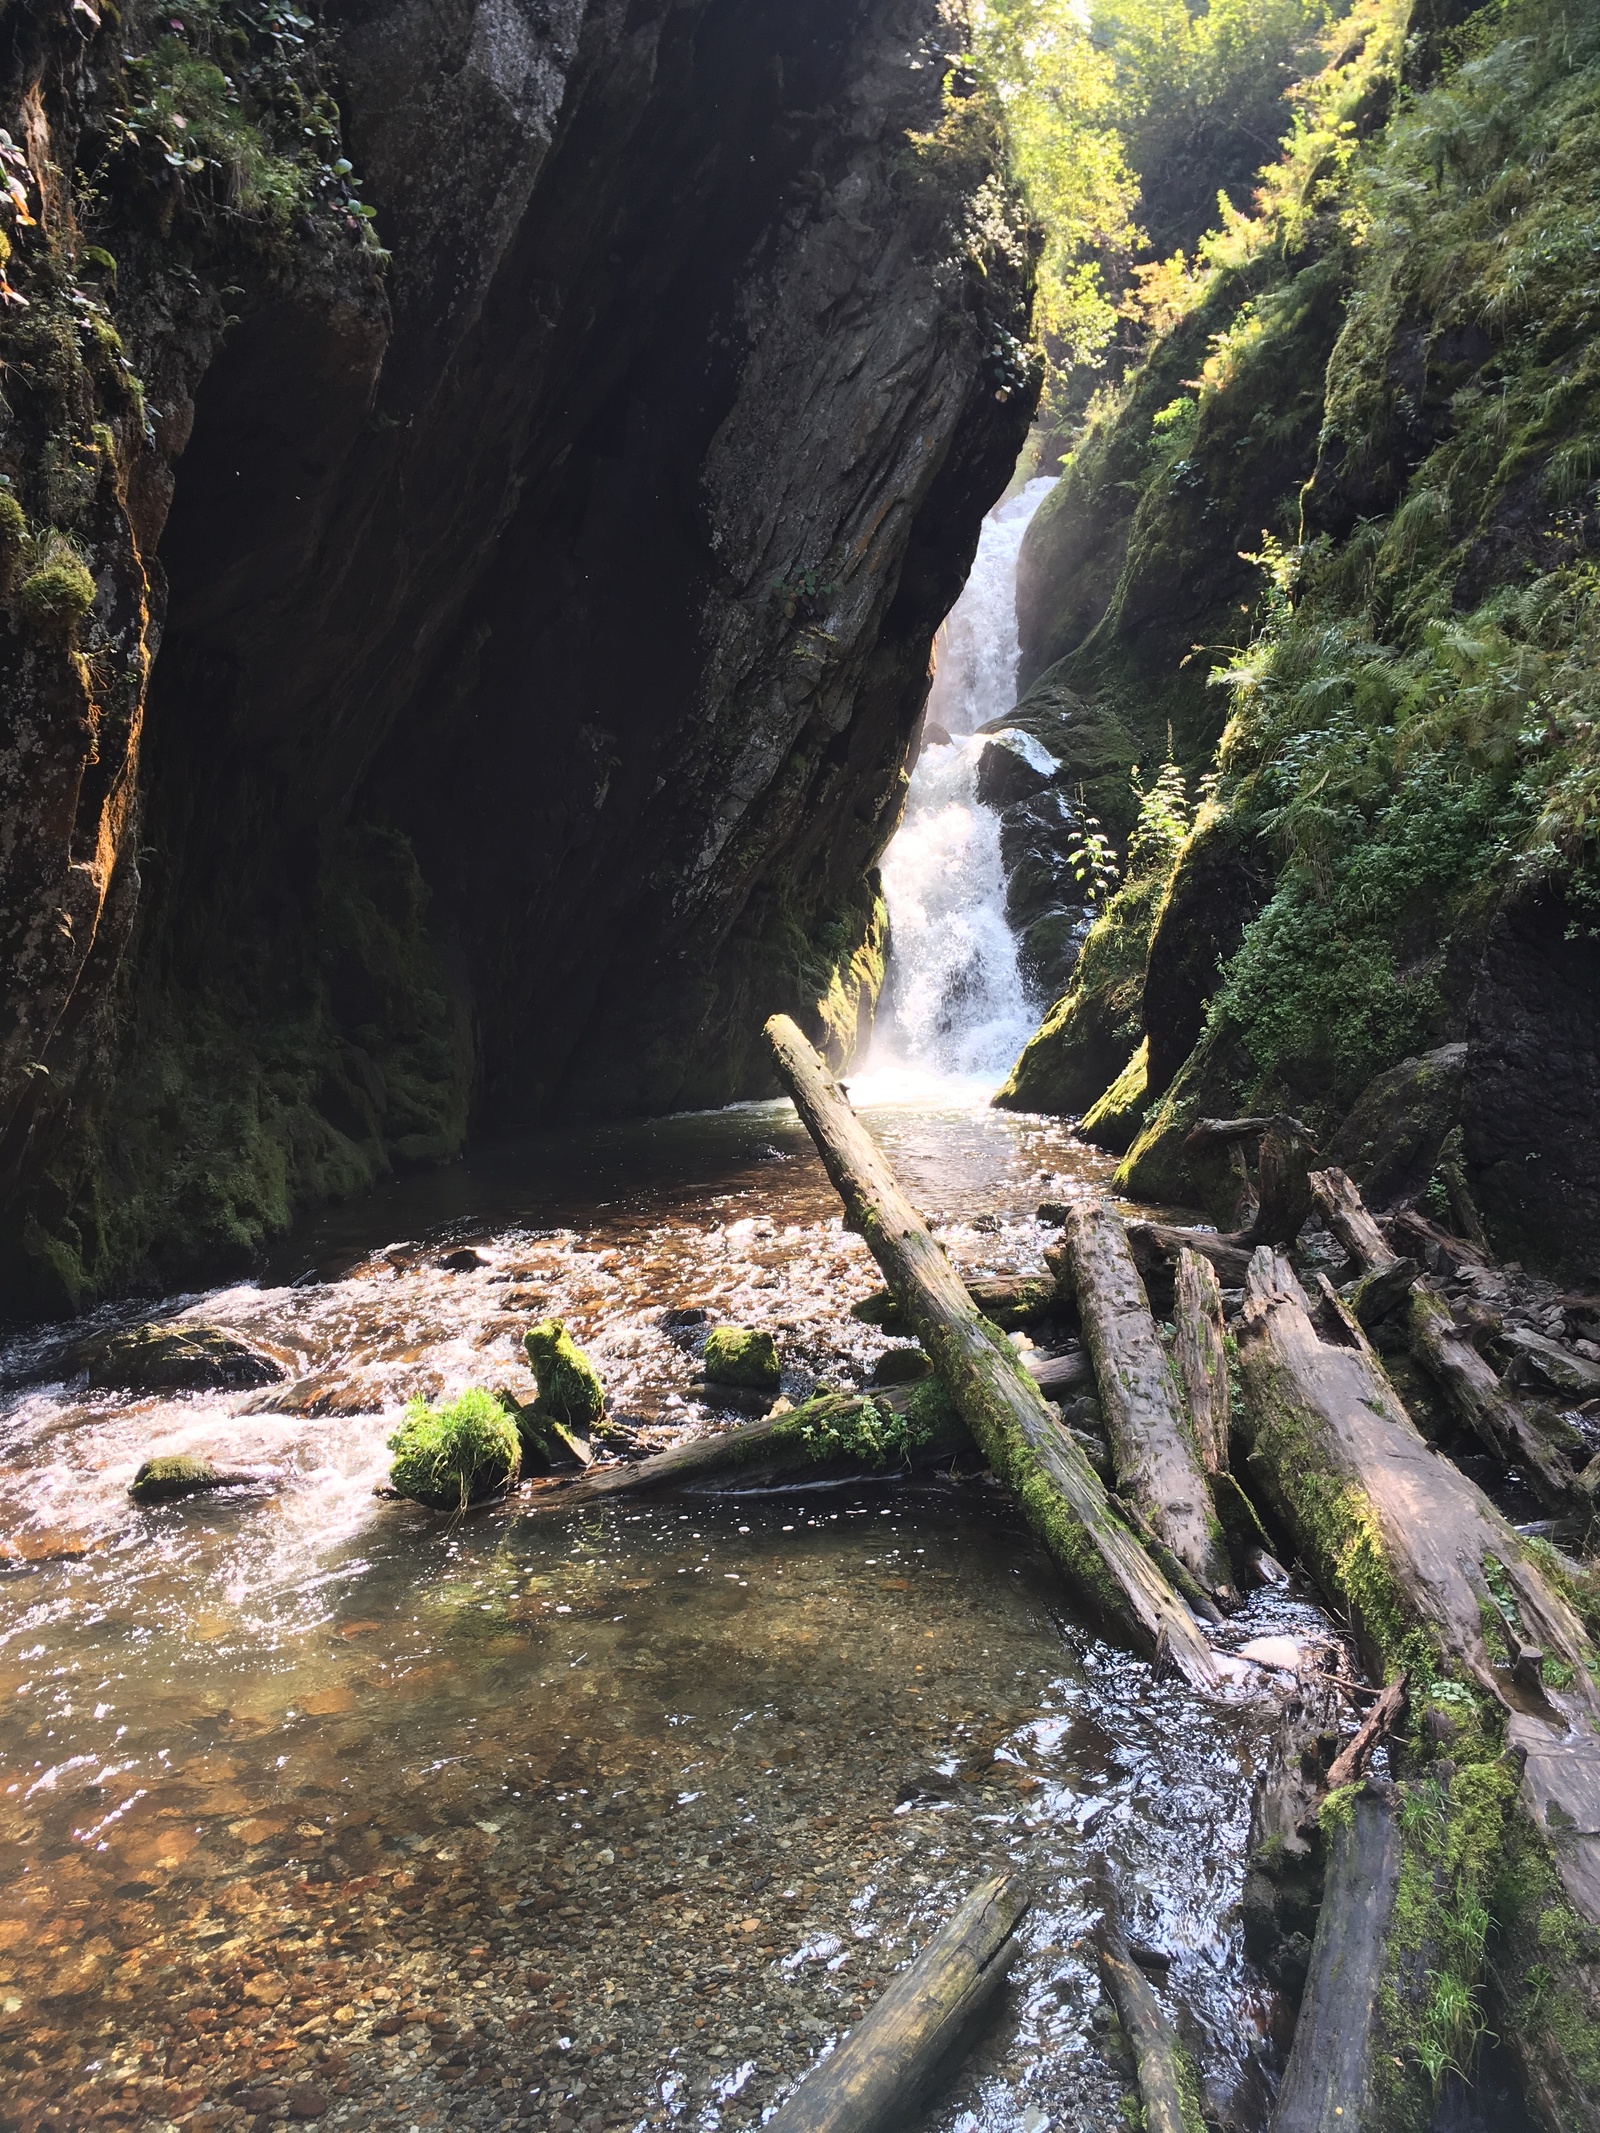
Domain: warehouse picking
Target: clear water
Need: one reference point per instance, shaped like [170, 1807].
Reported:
[311, 1802]
[955, 1004]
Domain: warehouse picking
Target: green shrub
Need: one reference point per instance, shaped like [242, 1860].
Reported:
[54, 599]
[449, 1457]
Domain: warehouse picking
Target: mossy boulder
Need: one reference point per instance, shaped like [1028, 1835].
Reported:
[1092, 749]
[569, 1385]
[176, 1359]
[1222, 879]
[1391, 1139]
[460, 1454]
[178, 1474]
[901, 1366]
[736, 1355]
[1112, 1121]
[1083, 1043]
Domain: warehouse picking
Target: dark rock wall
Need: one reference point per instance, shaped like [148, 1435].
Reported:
[547, 604]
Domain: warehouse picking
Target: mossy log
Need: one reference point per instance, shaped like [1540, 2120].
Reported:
[1334, 2081]
[1063, 1499]
[1512, 1430]
[1168, 2088]
[901, 1426]
[1437, 1583]
[1158, 1468]
[899, 2047]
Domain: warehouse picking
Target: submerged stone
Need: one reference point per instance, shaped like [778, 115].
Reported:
[160, 1480]
[176, 1359]
[735, 1355]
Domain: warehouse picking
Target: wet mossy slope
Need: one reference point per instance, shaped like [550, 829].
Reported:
[480, 487]
[1400, 848]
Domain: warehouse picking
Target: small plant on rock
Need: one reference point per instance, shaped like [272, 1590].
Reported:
[450, 1457]
[569, 1385]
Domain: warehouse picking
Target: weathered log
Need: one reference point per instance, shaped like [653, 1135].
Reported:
[1008, 1300]
[1159, 1243]
[1509, 1428]
[1061, 1496]
[1157, 1467]
[1334, 2071]
[1434, 1577]
[1351, 1761]
[901, 2044]
[1157, 2054]
[1056, 1374]
[1283, 1157]
[839, 1433]
[1201, 1352]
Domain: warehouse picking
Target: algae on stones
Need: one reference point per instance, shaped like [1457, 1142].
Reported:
[450, 1457]
[176, 1474]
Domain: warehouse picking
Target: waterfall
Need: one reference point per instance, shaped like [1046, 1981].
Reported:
[955, 1007]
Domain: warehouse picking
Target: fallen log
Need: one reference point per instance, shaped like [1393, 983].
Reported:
[1008, 1300]
[1167, 2086]
[1157, 1244]
[1158, 1470]
[1509, 1428]
[1352, 1760]
[838, 1434]
[1283, 1157]
[1061, 1496]
[1335, 2077]
[1201, 1352]
[1437, 1582]
[1056, 1374]
[901, 2044]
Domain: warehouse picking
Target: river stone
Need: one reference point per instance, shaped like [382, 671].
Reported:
[734, 1355]
[176, 1359]
[162, 1480]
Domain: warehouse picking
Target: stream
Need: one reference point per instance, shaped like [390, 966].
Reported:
[314, 1803]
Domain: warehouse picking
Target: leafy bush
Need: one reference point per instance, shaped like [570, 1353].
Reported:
[453, 1456]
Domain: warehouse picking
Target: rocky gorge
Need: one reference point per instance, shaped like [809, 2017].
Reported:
[481, 486]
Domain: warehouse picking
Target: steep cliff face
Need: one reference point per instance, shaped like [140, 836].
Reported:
[1398, 860]
[543, 600]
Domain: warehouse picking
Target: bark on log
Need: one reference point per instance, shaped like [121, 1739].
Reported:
[1061, 1496]
[1200, 1347]
[873, 2080]
[1283, 1197]
[1007, 1299]
[1156, 2051]
[1351, 1761]
[1056, 1374]
[1431, 1571]
[1329, 2081]
[1504, 1425]
[1158, 1469]
[1159, 1243]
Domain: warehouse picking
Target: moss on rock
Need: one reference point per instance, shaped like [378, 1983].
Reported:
[1112, 1120]
[569, 1385]
[450, 1457]
[174, 1475]
[736, 1355]
[1084, 1041]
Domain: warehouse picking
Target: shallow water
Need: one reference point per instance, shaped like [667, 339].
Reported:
[312, 1803]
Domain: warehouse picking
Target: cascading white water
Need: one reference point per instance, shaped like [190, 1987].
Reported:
[955, 1007]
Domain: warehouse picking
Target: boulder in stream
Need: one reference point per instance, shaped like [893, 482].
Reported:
[736, 1355]
[179, 1474]
[569, 1385]
[176, 1359]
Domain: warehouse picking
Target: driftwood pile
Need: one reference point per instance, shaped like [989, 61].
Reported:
[1460, 1874]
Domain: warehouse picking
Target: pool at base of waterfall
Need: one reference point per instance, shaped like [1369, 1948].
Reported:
[314, 1806]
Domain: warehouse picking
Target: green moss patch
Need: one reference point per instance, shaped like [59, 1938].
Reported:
[177, 1474]
[569, 1385]
[450, 1457]
[736, 1355]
